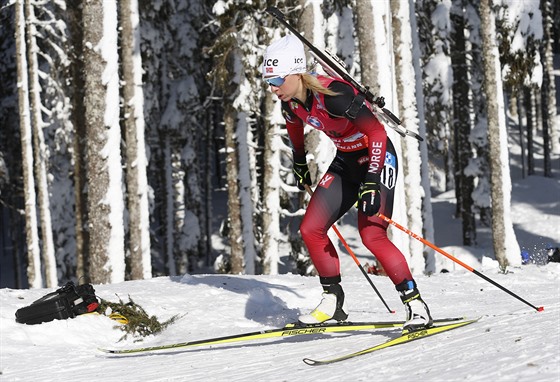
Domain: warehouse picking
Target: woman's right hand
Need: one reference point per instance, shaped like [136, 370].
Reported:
[301, 173]
[369, 198]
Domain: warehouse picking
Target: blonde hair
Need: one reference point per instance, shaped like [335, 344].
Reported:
[312, 83]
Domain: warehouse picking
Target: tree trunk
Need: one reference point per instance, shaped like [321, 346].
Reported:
[40, 164]
[167, 192]
[464, 183]
[506, 248]
[405, 76]
[208, 185]
[234, 205]
[316, 143]
[548, 90]
[364, 31]
[105, 200]
[34, 275]
[480, 169]
[519, 103]
[76, 78]
[271, 192]
[248, 201]
[530, 111]
[427, 212]
[136, 180]
[178, 207]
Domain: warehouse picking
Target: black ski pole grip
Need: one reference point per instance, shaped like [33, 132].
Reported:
[275, 12]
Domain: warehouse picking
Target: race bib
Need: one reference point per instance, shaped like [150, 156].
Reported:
[389, 172]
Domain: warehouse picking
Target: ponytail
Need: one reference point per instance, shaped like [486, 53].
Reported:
[312, 83]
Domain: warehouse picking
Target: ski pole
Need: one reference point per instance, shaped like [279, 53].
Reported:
[426, 242]
[310, 192]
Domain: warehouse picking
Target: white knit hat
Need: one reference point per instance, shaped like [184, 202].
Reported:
[283, 57]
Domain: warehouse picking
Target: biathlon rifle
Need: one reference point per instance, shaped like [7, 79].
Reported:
[336, 68]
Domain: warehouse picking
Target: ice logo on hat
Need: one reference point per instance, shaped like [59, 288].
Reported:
[283, 57]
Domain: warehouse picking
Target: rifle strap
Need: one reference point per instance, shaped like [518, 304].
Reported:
[355, 106]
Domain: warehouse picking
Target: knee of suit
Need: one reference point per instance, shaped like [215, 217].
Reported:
[311, 232]
[374, 239]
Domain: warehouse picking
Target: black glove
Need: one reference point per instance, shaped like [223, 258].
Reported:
[301, 173]
[369, 197]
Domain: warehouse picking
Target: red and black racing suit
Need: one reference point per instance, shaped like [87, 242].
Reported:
[362, 146]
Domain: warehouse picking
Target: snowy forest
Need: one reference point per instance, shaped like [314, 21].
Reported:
[137, 138]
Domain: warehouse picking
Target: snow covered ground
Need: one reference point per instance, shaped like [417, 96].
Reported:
[511, 342]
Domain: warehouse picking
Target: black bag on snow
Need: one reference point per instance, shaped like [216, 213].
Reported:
[66, 302]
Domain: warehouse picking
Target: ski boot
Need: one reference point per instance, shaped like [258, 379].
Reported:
[417, 313]
[331, 307]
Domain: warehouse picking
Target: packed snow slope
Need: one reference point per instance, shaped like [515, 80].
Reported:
[511, 342]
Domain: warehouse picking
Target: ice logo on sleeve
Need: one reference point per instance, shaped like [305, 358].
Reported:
[389, 173]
